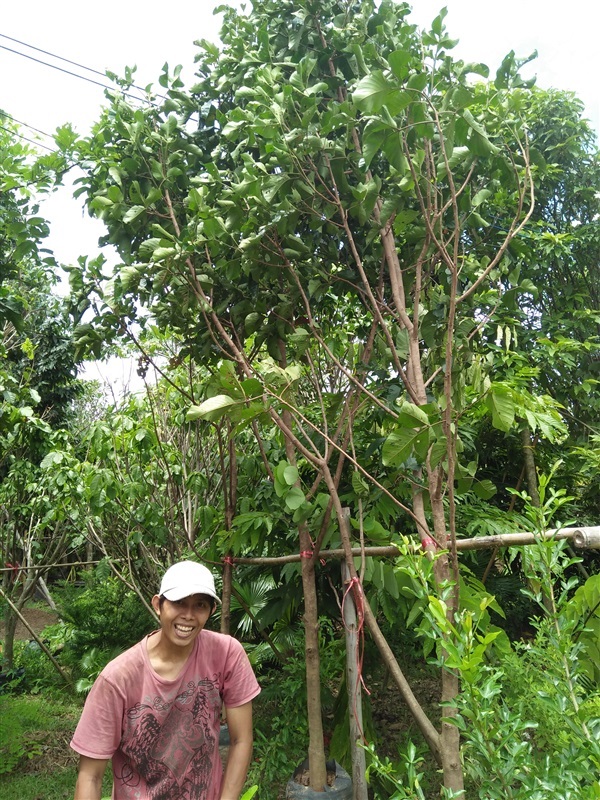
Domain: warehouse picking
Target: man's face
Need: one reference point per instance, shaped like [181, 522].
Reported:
[182, 620]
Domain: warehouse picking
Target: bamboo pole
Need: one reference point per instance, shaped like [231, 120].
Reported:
[353, 681]
[582, 537]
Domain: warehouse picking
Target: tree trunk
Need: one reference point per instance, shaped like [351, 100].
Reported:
[10, 626]
[226, 595]
[316, 750]
[316, 747]
[450, 735]
[425, 725]
[529, 463]
[18, 616]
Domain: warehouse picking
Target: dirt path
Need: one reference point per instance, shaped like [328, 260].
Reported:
[38, 618]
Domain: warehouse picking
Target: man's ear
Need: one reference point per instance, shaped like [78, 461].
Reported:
[156, 604]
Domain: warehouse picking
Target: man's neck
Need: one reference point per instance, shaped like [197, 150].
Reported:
[167, 660]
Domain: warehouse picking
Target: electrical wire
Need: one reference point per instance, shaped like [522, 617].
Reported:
[27, 139]
[73, 74]
[25, 124]
[76, 75]
[67, 61]
[53, 55]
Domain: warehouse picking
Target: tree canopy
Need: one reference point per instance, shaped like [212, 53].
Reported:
[378, 265]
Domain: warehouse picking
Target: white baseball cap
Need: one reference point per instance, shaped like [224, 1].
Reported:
[186, 578]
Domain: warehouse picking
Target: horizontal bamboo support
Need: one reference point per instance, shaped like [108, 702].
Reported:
[582, 537]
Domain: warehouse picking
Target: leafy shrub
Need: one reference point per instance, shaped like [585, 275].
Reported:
[402, 779]
[102, 619]
[37, 672]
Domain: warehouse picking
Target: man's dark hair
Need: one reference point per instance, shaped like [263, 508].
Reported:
[211, 600]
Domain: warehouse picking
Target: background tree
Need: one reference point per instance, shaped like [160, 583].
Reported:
[38, 378]
[329, 222]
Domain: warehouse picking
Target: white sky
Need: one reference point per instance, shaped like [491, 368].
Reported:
[116, 33]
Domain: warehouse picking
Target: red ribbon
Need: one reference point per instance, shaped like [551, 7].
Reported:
[359, 603]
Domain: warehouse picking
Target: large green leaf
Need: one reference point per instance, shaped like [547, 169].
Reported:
[294, 498]
[502, 406]
[375, 91]
[411, 414]
[212, 409]
[401, 444]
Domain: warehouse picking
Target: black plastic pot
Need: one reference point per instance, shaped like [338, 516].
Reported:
[341, 788]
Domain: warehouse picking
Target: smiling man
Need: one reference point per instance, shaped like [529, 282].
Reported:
[155, 710]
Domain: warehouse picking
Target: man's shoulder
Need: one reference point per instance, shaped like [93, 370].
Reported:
[220, 648]
[219, 641]
[125, 662]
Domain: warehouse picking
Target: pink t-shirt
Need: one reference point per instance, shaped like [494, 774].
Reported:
[163, 736]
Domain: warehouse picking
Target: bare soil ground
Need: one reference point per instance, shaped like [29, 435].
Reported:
[38, 619]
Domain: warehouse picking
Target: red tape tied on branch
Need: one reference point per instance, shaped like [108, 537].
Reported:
[310, 554]
[229, 560]
[427, 542]
[359, 603]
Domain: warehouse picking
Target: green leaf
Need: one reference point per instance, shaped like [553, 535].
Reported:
[481, 196]
[133, 213]
[115, 175]
[502, 406]
[252, 387]
[51, 459]
[290, 475]
[212, 409]
[389, 581]
[478, 142]
[399, 446]
[294, 498]
[375, 91]
[410, 414]
[484, 489]
[392, 148]
[399, 61]
[359, 485]
[163, 252]
[418, 81]
[439, 451]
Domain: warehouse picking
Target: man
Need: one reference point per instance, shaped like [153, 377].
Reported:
[156, 708]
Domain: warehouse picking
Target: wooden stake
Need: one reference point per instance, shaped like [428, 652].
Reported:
[353, 681]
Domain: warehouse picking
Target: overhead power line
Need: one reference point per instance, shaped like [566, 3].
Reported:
[65, 60]
[53, 66]
[53, 55]
[76, 74]
[24, 124]
[102, 85]
[26, 138]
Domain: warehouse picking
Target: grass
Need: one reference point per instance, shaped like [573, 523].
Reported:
[35, 731]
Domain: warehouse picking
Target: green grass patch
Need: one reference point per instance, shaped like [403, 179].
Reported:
[36, 762]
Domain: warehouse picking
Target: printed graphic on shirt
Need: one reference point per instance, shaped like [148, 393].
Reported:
[173, 745]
